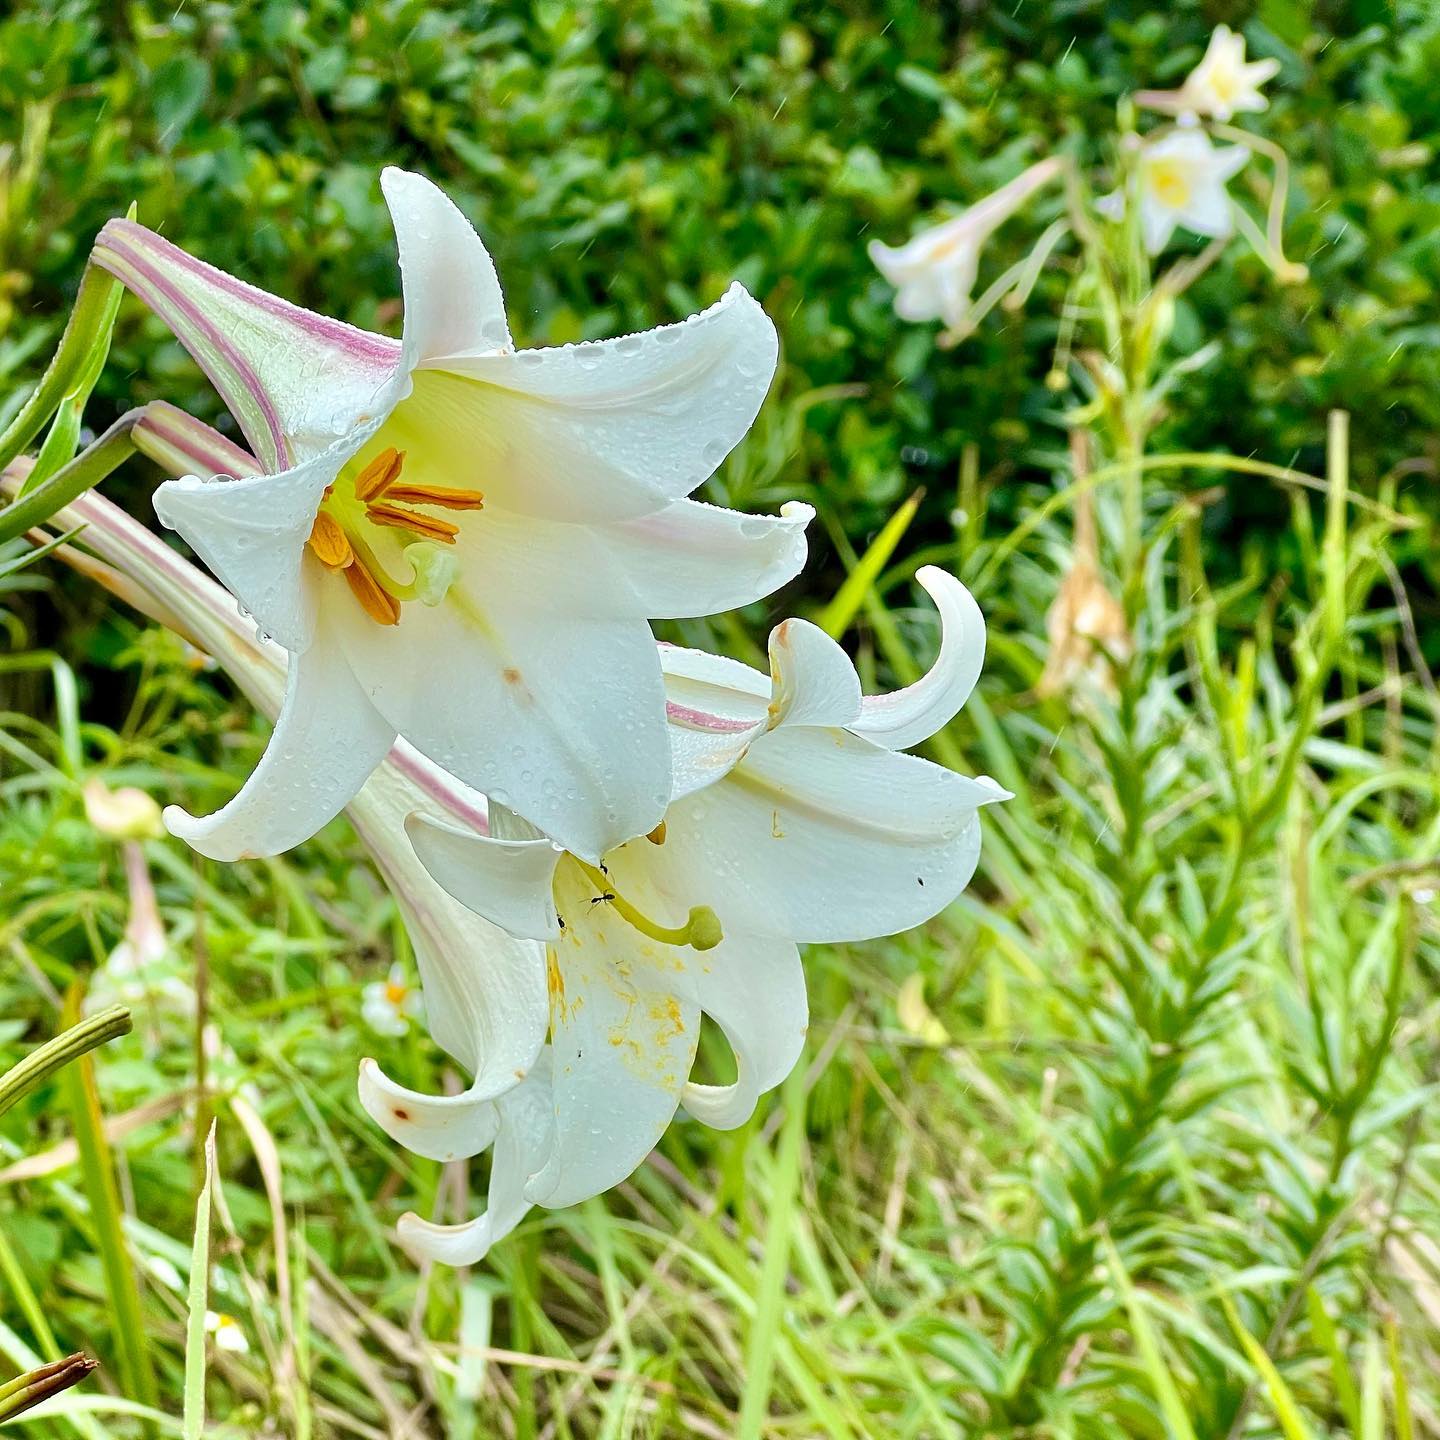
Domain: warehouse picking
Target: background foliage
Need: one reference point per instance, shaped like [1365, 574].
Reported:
[1149, 1108]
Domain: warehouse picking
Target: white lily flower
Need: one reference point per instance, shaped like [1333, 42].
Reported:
[934, 272]
[1181, 179]
[1222, 85]
[794, 819]
[484, 990]
[457, 542]
[389, 1005]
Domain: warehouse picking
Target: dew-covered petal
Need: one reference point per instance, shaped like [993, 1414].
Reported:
[523, 1144]
[293, 380]
[814, 681]
[327, 740]
[251, 532]
[605, 430]
[818, 835]
[439, 1127]
[906, 717]
[453, 303]
[753, 987]
[508, 882]
[696, 559]
[534, 681]
[622, 1040]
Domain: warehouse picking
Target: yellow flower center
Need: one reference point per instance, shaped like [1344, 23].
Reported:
[364, 502]
[395, 993]
[1170, 183]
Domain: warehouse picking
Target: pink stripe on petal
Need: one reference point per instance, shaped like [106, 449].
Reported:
[703, 720]
[141, 275]
[362, 345]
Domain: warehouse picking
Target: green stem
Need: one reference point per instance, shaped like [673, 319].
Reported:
[71, 481]
[87, 321]
[42, 1063]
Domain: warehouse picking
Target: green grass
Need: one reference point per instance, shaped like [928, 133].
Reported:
[1171, 1173]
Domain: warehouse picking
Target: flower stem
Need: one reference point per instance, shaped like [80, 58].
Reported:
[40, 1064]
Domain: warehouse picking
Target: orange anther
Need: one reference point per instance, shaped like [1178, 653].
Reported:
[417, 524]
[329, 542]
[381, 606]
[379, 475]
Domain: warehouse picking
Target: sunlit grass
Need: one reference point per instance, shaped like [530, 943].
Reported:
[1159, 1160]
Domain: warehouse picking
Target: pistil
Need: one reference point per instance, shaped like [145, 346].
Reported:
[701, 930]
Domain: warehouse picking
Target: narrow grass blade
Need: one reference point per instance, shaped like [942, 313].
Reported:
[765, 1326]
[1167, 1393]
[97, 1168]
[1282, 1398]
[835, 618]
[198, 1302]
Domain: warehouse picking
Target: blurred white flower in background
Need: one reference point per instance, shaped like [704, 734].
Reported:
[1181, 179]
[226, 1331]
[389, 1005]
[123, 814]
[1224, 83]
[935, 271]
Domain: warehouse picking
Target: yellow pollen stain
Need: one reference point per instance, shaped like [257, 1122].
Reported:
[657, 835]
[775, 829]
[554, 982]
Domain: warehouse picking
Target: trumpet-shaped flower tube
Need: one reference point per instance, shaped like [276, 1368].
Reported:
[794, 819]
[457, 542]
[934, 272]
[484, 989]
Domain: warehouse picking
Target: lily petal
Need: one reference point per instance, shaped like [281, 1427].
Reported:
[696, 559]
[327, 740]
[508, 882]
[906, 717]
[833, 838]
[545, 649]
[753, 987]
[523, 1144]
[453, 302]
[622, 1040]
[251, 532]
[439, 1127]
[486, 1002]
[292, 379]
[815, 683]
[608, 429]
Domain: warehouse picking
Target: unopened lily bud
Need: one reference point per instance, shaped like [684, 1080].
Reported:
[123, 814]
